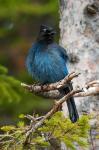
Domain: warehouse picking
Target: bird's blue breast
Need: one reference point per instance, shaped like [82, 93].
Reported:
[46, 64]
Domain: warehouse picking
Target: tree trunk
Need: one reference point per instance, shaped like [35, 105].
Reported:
[79, 30]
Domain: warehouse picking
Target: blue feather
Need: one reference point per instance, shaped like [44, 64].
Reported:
[47, 63]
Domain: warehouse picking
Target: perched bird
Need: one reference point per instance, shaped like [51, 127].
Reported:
[46, 62]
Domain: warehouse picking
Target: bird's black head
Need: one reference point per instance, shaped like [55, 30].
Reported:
[46, 34]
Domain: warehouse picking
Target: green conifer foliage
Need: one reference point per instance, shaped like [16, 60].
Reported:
[14, 99]
[9, 87]
[56, 128]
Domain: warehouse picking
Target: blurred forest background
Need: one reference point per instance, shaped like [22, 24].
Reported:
[19, 24]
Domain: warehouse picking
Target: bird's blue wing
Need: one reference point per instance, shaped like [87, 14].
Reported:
[63, 53]
[60, 50]
[30, 58]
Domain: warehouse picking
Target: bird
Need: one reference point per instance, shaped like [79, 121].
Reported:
[47, 61]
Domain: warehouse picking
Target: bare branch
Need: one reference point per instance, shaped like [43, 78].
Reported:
[93, 83]
[89, 91]
[51, 90]
[48, 87]
[55, 108]
[55, 94]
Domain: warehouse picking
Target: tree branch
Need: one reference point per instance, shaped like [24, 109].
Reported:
[50, 90]
[49, 87]
[55, 108]
[91, 88]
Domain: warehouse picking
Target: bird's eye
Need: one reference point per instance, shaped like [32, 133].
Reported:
[44, 30]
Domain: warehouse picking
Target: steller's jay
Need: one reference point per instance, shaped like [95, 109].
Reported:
[46, 62]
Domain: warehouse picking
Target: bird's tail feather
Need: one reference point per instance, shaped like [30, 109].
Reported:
[73, 114]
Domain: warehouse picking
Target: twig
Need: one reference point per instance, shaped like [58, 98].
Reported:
[88, 92]
[93, 83]
[33, 118]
